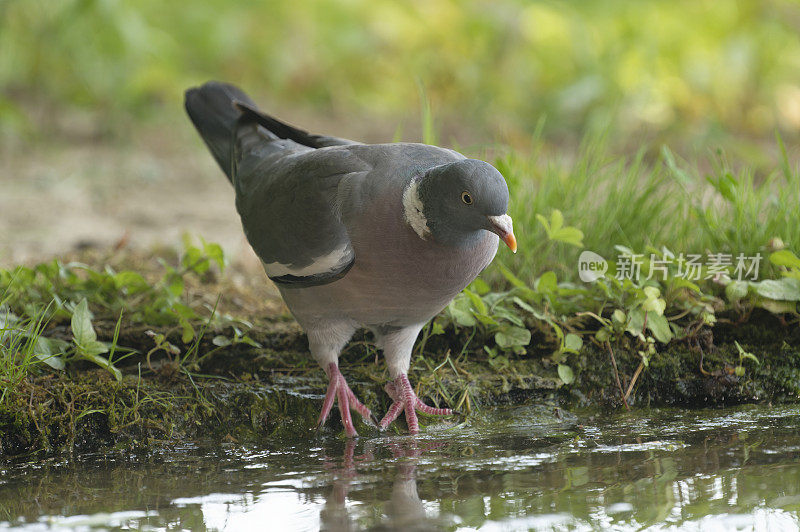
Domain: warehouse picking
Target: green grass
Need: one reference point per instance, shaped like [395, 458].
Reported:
[22, 348]
[646, 200]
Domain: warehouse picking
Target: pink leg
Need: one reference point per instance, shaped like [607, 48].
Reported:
[338, 389]
[406, 400]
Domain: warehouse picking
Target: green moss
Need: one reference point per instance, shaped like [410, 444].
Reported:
[675, 375]
[250, 394]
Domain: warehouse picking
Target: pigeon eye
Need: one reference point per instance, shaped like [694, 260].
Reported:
[466, 198]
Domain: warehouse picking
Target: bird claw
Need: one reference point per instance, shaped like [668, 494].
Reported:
[339, 391]
[405, 400]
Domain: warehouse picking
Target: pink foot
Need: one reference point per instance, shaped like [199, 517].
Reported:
[406, 400]
[338, 389]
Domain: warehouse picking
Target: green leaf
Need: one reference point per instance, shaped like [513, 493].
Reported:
[486, 320]
[545, 224]
[547, 282]
[477, 303]
[660, 328]
[131, 282]
[194, 260]
[745, 354]
[655, 306]
[602, 335]
[175, 284]
[557, 330]
[573, 342]
[459, 310]
[221, 341]
[653, 303]
[786, 289]
[187, 331]
[736, 290]
[752, 357]
[510, 336]
[568, 235]
[498, 361]
[82, 330]
[777, 307]
[92, 348]
[651, 292]
[565, 374]
[48, 351]
[524, 306]
[249, 341]
[635, 322]
[480, 287]
[785, 258]
[214, 252]
[623, 250]
[556, 220]
[183, 311]
[556, 230]
[463, 318]
[506, 314]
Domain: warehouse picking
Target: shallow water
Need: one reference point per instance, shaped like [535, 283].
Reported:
[526, 468]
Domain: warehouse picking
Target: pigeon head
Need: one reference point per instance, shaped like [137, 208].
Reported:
[459, 200]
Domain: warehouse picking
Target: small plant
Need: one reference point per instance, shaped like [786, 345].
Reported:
[743, 355]
[558, 232]
[54, 292]
[779, 296]
[86, 345]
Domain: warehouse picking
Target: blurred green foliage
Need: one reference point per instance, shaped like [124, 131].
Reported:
[685, 64]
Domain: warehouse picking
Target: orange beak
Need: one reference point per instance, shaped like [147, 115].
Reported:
[511, 241]
[503, 227]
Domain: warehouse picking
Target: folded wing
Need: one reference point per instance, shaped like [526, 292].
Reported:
[287, 195]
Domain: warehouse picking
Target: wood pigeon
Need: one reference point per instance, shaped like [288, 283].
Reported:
[381, 236]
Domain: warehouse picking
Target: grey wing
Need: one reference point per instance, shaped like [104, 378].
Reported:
[287, 197]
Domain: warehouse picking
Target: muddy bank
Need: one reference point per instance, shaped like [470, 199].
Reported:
[243, 394]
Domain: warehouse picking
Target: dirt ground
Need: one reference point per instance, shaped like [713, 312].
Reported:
[78, 182]
[58, 196]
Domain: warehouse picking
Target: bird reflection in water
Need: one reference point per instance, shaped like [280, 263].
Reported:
[404, 509]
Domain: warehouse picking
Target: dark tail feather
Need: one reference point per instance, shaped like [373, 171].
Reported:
[212, 110]
[218, 109]
[285, 131]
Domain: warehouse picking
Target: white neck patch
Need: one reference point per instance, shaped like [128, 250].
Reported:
[412, 209]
